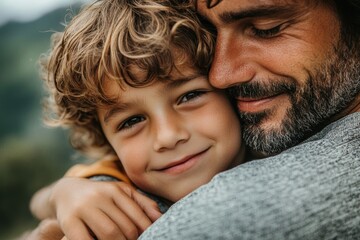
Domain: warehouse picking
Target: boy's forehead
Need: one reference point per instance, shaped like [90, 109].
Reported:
[119, 95]
[179, 75]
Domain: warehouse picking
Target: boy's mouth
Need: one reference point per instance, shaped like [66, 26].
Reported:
[183, 164]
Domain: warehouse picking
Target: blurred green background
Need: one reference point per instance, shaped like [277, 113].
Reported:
[31, 155]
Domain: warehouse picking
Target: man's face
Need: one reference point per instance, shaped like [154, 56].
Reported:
[286, 64]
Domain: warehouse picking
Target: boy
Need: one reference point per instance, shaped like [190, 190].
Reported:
[129, 79]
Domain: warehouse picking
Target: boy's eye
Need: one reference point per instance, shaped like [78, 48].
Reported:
[191, 96]
[130, 122]
[266, 33]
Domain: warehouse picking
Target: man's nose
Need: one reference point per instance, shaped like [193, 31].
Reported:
[169, 132]
[231, 64]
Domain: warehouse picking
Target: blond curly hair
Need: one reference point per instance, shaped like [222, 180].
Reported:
[104, 41]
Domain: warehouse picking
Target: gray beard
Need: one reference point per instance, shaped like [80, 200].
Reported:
[327, 92]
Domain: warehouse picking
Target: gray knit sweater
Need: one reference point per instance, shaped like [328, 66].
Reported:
[311, 191]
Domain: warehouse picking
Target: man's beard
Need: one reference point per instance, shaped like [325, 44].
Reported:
[327, 92]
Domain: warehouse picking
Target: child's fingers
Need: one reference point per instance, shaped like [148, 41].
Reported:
[115, 225]
[148, 205]
[133, 203]
[47, 229]
[129, 208]
[75, 230]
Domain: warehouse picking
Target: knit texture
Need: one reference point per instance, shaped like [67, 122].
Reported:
[311, 191]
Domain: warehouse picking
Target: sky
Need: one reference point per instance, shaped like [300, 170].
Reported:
[28, 10]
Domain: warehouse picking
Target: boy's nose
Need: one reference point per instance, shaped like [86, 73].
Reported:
[169, 133]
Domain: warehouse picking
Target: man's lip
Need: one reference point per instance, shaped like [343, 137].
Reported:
[177, 163]
[254, 104]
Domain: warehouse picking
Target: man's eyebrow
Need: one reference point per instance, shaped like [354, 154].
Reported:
[115, 110]
[258, 11]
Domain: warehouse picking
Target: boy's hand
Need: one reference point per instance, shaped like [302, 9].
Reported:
[48, 229]
[107, 210]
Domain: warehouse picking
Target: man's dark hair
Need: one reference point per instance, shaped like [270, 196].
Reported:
[349, 13]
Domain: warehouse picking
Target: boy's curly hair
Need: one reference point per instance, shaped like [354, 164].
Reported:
[104, 41]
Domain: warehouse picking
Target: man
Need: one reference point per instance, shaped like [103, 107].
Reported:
[294, 68]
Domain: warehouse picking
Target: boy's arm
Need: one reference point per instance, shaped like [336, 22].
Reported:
[108, 210]
[39, 204]
[116, 204]
[106, 167]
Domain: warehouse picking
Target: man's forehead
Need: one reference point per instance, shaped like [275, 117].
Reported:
[214, 3]
[213, 10]
[229, 4]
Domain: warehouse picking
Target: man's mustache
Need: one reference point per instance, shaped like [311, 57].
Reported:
[259, 90]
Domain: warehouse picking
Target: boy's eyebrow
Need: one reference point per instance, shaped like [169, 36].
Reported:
[259, 11]
[177, 82]
[120, 107]
[173, 83]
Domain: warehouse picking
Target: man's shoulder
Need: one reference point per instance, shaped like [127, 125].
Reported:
[334, 151]
[344, 129]
[337, 140]
[309, 191]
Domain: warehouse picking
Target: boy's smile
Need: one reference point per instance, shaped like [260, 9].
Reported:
[183, 164]
[172, 136]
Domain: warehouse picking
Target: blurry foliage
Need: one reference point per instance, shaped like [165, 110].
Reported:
[31, 156]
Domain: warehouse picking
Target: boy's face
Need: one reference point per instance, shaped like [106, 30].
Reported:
[172, 137]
